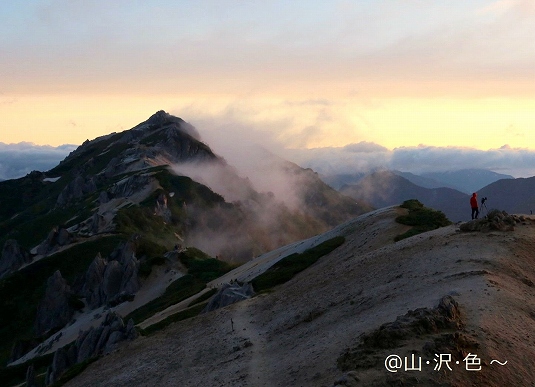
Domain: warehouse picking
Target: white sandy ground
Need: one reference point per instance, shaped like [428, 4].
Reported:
[260, 264]
[294, 335]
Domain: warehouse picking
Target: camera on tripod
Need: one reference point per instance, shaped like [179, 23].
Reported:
[483, 200]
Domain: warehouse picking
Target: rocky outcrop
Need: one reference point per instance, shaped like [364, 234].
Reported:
[98, 223]
[30, 377]
[56, 238]
[162, 209]
[12, 258]
[103, 197]
[54, 310]
[93, 279]
[114, 280]
[494, 221]
[76, 189]
[91, 343]
[130, 186]
[161, 119]
[229, 294]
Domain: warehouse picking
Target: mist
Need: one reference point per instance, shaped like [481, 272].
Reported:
[268, 204]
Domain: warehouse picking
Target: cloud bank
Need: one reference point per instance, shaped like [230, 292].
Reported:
[231, 133]
[17, 160]
[363, 157]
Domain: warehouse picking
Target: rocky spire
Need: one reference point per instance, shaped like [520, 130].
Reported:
[13, 257]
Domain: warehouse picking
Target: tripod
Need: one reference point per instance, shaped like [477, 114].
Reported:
[483, 205]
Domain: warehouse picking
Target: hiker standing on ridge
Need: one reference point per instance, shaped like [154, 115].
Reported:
[473, 204]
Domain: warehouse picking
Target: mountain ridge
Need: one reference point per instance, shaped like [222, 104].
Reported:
[96, 226]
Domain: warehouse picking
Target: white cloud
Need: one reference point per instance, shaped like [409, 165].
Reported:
[514, 161]
[17, 160]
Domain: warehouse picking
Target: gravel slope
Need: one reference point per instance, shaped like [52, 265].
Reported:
[294, 335]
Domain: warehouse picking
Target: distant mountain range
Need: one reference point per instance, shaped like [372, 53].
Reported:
[467, 180]
[386, 188]
[464, 180]
[513, 196]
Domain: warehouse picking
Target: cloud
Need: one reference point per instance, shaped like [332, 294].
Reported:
[419, 159]
[364, 147]
[379, 47]
[17, 160]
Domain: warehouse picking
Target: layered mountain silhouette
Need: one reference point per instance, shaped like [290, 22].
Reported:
[385, 188]
[464, 180]
[467, 180]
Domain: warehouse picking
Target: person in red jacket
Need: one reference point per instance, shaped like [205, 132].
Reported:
[474, 205]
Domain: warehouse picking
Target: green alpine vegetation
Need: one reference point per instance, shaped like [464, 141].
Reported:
[288, 267]
[421, 218]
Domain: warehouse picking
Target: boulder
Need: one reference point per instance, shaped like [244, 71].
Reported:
[103, 197]
[228, 294]
[113, 277]
[494, 221]
[60, 363]
[13, 257]
[88, 347]
[114, 338]
[103, 338]
[162, 209]
[56, 238]
[130, 282]
[131, 332]
[54, 311]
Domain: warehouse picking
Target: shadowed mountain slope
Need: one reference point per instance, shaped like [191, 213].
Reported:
[511, 195]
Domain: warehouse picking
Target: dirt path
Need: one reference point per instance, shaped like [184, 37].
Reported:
[244, 324]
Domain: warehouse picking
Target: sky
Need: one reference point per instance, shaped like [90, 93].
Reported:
[447, 76]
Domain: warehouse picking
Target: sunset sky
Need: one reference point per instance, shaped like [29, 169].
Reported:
[300, 74]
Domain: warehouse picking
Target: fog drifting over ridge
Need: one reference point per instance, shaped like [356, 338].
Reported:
[231, 137]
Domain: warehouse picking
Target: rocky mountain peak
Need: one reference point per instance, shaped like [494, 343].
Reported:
[161, 119]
